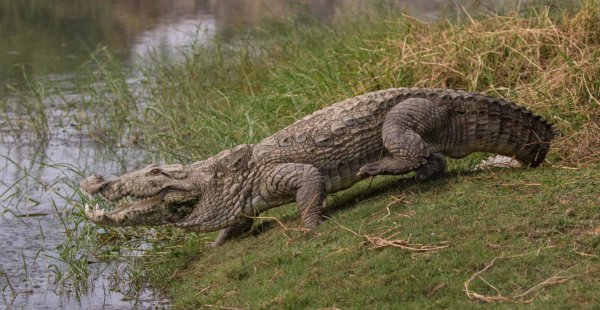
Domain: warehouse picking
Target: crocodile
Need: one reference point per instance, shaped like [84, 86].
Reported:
[386, 132]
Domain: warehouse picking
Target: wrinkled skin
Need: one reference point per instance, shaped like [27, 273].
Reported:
[394, 131]
[166, 195]
[180, 195]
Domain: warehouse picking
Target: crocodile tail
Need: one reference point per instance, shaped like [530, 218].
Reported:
[488, 124]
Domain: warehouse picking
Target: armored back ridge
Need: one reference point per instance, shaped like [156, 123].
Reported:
[393, 131]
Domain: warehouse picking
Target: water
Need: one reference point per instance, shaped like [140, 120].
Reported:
[49, 41]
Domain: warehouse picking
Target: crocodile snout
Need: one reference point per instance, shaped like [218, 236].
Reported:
[92, 184]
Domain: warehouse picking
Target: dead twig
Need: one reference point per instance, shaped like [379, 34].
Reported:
[204, 290]
[285, 228]
[583, 253]
[519, 298]
[220, 307]
[436, 288]
[380, 242]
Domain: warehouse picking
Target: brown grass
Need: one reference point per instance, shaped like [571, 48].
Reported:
[525, 297]
[551, 65]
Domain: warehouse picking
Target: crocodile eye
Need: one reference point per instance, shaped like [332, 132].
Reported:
[155, 171]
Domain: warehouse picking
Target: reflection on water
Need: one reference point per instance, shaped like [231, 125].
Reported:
[49, 40]
[40, 37]
[171, 35]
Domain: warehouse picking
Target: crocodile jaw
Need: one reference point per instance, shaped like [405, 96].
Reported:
[155, 195]
[144, 212]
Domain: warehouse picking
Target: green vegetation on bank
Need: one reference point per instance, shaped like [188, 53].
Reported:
[242, 92]
[541, 227]
[504, 237]
[500, 237]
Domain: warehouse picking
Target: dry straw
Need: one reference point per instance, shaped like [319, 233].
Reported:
[549, 64]
[525, 297]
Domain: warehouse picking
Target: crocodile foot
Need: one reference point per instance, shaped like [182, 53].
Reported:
[499, 161]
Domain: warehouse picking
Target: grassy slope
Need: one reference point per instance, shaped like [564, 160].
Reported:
[547, 217]
[545, 220]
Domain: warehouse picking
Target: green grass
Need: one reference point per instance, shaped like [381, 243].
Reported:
[541, 225]
[544, 222]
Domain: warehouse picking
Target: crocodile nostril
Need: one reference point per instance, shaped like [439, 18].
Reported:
[96, 178]
[92, 184]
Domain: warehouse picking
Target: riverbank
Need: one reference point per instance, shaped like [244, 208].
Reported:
[505, 237]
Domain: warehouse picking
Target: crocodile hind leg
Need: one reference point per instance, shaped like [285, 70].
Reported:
[402, 132]
[233, 231]
[435, 165]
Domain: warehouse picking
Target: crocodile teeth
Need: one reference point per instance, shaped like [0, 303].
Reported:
[126, 200]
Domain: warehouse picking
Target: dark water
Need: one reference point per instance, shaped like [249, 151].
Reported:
[49, 41]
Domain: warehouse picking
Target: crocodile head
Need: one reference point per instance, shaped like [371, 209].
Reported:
[153, 195]
[202, 196]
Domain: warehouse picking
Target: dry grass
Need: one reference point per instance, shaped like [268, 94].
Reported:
[581, 147]
[381, 241]
[525, 297]
[551, 65]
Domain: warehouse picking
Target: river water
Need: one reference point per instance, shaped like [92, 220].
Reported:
[48, 41]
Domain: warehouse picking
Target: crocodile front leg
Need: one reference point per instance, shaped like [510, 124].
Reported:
[285, 180]
[402, 132]
[233, 231]
[305, 182]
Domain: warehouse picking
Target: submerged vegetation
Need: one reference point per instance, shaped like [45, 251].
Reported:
[510, 236]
